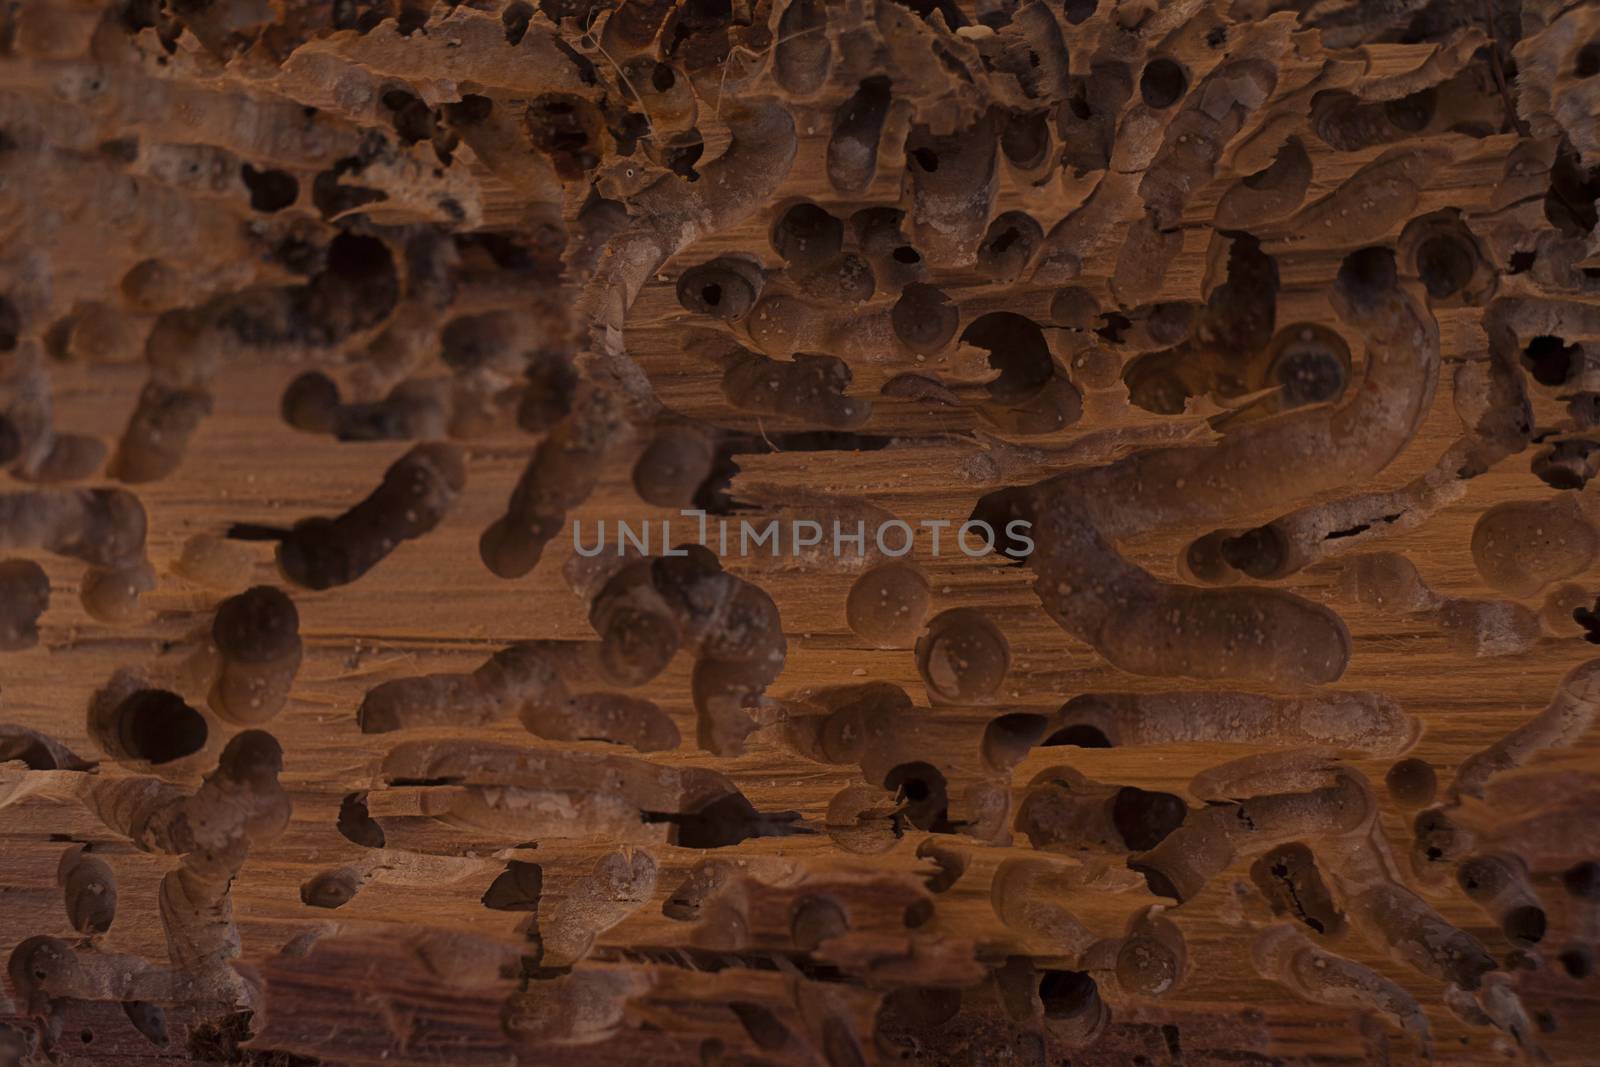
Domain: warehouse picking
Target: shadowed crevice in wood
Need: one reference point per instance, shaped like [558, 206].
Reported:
[1045, 609]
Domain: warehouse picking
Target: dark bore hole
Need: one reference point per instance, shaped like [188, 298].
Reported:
[356, 824]
[156, 725]
[711, 294]
[1525, 925]
[921, 788]
[10, 324]
[1310, 377]
[1077, 12]
[517, 888]
[1144, 819]
[1258, 552]
[1068, 994]
[926, 158]
[1587, 64]
[1577, 961]
[906, 254]
[1017, 349]
[1081, 735]
[1367, 273]
[1026, 138]
[807, 232]
[1163, 83]
[1445, 264]
[270, 190]
[1411, 113]
[1551, 360]
[1582, 880]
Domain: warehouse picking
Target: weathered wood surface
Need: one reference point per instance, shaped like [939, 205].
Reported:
[136, 264]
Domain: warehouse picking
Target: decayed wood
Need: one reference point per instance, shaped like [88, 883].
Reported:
[1259, 336]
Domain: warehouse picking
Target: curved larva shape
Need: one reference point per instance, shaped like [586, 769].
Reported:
[88, 889]
[809, 388]
[533, 680]
[511, 795]
[1418, 935]
[736, 183]
[202, 940]
[802, 52]
[102, 527]
[1026, 895]
[1157, 628]
[1372, 203]
[1563, 721]
[1498, 882]
[1212, 837]
[951, 182]
[1390, 915]
[1496, 421]
[257, 637]
[646, 609]
[1212, 116]
[674, 213]
[560, 475]
[1522, 546]
[1151, 627]
[620, 884]
[416, 493]
[1368, 723]
[1286, 956]
[30, 446]
[1352, 441]
[24, 597]
[43, 969]
[1270, 194]
[240, 804]
[857, 128]
[336, 887]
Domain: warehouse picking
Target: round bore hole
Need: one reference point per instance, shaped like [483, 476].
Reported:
[1551, 360]
[920, 788]
[1163, 83]
[1017, 349]
[1587, 64]
[1411, 113]
[1068, 994]
[1080, 735]
[1077, 12]
[156, 725]
[1525, 925]
[1367, 273]
[1582, 880]
[1445, 265]
[807, 234]
[1144, 819]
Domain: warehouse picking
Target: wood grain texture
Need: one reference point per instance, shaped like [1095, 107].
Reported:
[262, 262]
